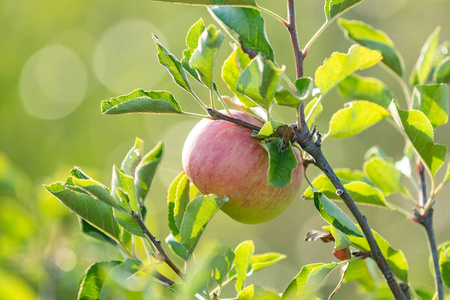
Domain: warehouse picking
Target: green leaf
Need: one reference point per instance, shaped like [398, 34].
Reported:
[213, 2]
[285, 97]
[281, 162]
[334, 8]
[146, 169]
[395, 258]
[128, 223]
[259, 81]
[442, 74]
[133, 157]
[341, 240]
[316, 112]
[121, 279]
[96, 190]
[340, 65]
[173, 65]
[261, 261]
[94, 278]
[358, 271]
[268, 129]
[222, 265]
[254, 292]
[192, 37]
[140, 101]
[432, 100]
[244, 252]
[420, 132]
[332, 214]
[444, 262]
[95, 233]
[249, 26]
[177, 247]
[205, 55]
[304, 87]
[198, 213]
[232, 69]
[97, 213]
[365, 88]
[355, 117]
[177, 200]
[124, 191]
[384, 175]
[308, 280]
[424, 64]
[374, 39]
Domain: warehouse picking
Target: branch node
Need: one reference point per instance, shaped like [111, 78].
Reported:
[339, 192]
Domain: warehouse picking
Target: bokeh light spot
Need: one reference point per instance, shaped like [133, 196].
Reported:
[53, 82]
[125, 57]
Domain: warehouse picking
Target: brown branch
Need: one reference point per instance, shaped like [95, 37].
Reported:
[312, 146]
[157, 244]
[292, 28]
[220, 116]
[168, 282]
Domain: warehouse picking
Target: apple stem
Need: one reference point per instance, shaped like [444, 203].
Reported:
[220, 116]
[305, 139]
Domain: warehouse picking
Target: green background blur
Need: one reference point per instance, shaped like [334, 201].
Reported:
[59, 59]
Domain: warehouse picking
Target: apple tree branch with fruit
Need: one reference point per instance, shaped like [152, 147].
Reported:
[240, 160]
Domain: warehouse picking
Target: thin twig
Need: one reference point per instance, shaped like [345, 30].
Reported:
[292, 28]
[306, 140]
[157, 244]
[164, 279]
[219, 116]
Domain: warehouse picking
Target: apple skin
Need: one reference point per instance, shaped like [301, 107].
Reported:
[222, 158]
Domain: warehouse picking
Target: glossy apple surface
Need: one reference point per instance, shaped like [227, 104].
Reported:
[223, 158]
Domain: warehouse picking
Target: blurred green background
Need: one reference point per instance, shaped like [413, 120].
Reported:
[59, 59]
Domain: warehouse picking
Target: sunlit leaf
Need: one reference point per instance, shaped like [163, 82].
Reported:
[341, 240]
[96, 190]
[254, 292]
[205, 55]
[97, 213]
[374, 39]
[384, 175]
[334, 8]
[261, 261]
[355, 117]
[192, 37]
[308, 280]
[140, 101]
[267, 129]
[95, 233]
[444, 262]
[243, 252]
[222, 265]
[442, 74]
[259, 81]
[395, 258]
[365, 88]
[120, 278]
[424, 64]
[232, 69]
[281, 162]
[177, 247]
[173, 65]
[285, 97]
[304, 87]
[358, 271]
[432, 100]
[94, 278]
[177, 200]
[128, 223]
[332, 214]
[133, 157]
[198, 213]
[213, 2]
[124, 191]
[420, 132]
[249, 26]
[146, 169]
[316, 113]
[340, 65]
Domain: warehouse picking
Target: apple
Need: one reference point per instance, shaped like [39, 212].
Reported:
[222, 158]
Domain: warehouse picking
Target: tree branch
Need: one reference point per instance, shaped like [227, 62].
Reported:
[157, 244]
[306, 140]
[292, 28]
[220, 116]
